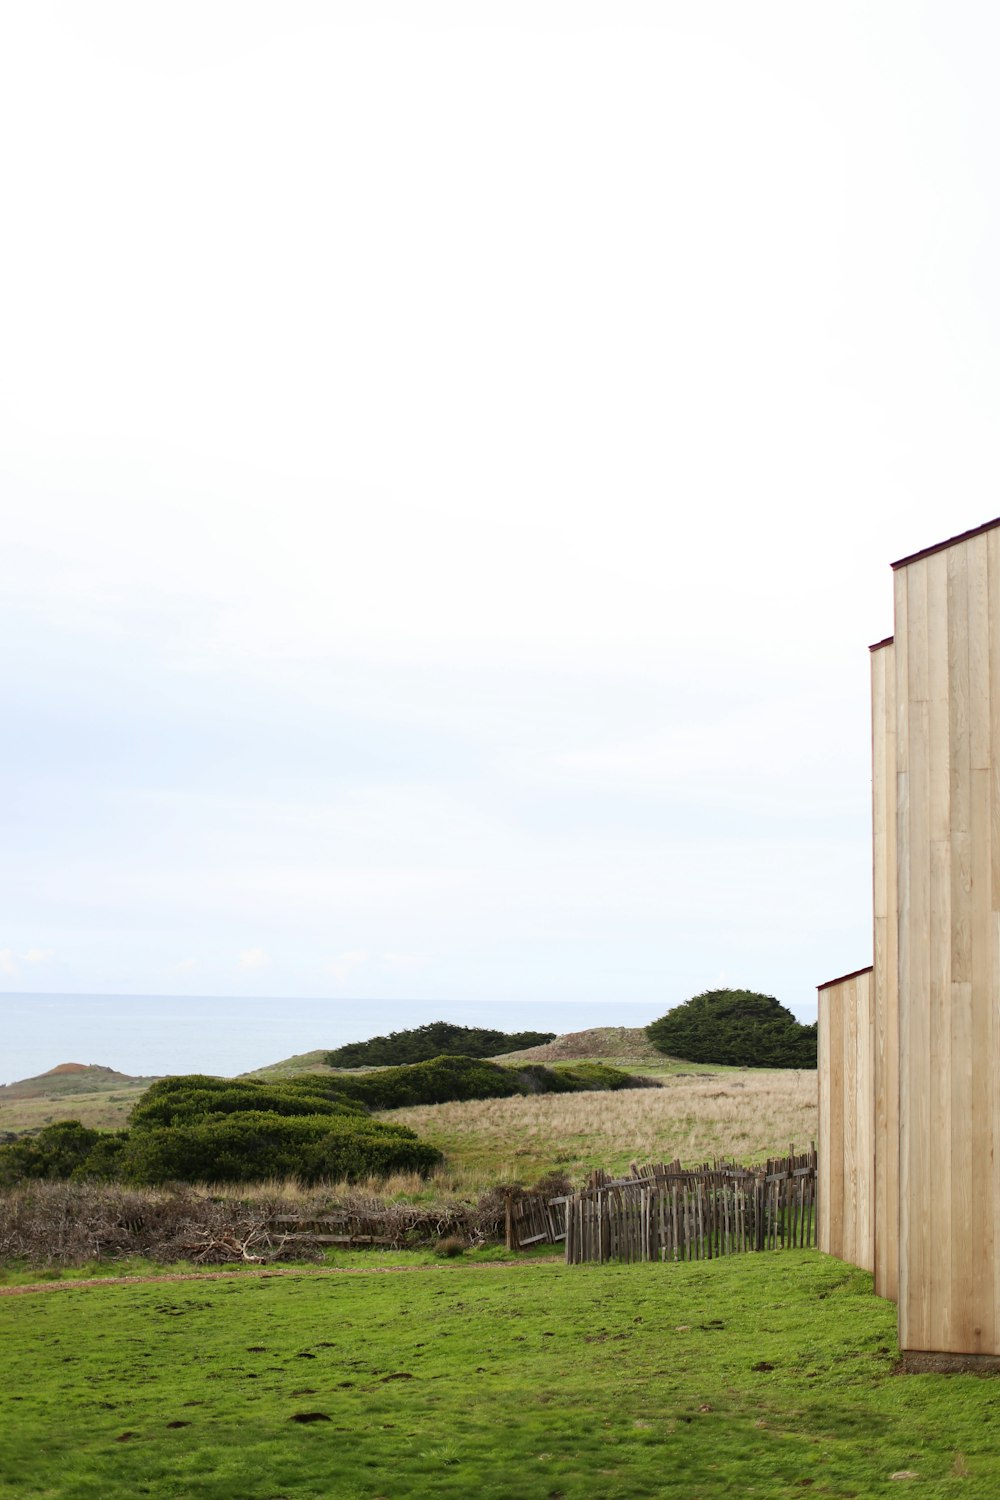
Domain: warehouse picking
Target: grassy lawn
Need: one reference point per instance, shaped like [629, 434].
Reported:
[14, 1274]
[760, 1375]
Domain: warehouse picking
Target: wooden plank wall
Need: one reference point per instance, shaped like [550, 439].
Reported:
[885, 989]
[947, 660]
[846, 1168]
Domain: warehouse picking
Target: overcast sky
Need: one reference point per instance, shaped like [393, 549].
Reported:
[451, 457]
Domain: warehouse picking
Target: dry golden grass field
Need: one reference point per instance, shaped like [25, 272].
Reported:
[748, 1114]
[105, 1109]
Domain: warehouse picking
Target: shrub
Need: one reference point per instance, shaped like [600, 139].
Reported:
[248, 1146]
[443, 1080]
[184, 1100]
[199, 1129]
[581, 1077]
[58, 1151]
[738, 1027]
[437, 1081]
[439, 1038]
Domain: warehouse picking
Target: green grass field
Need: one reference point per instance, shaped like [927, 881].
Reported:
[767, 1375]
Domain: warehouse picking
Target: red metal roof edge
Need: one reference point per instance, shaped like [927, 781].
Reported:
[963, 536]
[842, 979]
[879, 644]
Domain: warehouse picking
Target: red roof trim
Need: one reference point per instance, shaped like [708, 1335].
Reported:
[879, 644]
[963, 536]
[844, 977]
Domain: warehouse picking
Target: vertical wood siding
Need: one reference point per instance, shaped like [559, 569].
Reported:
[846, 1167]
[884, 976]
[947, 714]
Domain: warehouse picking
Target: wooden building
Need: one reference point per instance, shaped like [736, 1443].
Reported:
[885, 995]
[935, 983]
[947, 657]
[845, 1167]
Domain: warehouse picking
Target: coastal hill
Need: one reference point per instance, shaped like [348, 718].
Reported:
[604, 1043]
[97, 1096]
[613, 1044]
[70, 1078]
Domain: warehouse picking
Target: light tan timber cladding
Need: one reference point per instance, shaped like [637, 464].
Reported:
[947, 661]
[847, 1119]
[830, 1153]
[884, 977]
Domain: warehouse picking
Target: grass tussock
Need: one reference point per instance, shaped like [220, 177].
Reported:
[745, 1115]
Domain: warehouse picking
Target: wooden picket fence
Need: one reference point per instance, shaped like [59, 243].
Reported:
[665, 1213]
[533, 1219]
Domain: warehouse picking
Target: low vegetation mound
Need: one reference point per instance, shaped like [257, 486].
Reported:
[291, 1067]
[200, 1129]
[421, 1043]
[739, 1027]
[191, 1098]
[446, 1080]
[68, 1079]
[627, 1043]
[196, 1128]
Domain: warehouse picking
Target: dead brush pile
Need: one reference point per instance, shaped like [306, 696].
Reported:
[73, 1223]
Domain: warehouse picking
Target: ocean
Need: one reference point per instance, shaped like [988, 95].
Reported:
[157, 1034]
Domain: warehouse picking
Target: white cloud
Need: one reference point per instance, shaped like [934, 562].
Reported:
[253, 958]
[185, 966]
[7, 964]
[37, 955]
[345, 963]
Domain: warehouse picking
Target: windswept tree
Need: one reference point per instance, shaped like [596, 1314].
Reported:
[739, 1027]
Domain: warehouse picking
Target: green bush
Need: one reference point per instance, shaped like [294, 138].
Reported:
[55, 1152]
[200, 1129]
[184, 1100]
[739, 1027]
[443, 1080]
[250, 1146]
[437, 1081]
[438, 1039]
[584, 1076]
[104, 1159]
[64, 1150]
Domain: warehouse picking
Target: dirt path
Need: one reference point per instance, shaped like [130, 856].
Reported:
[88, 1282]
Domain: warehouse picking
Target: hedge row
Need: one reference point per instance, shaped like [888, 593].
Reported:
[251, 1146]
[421, 1043]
